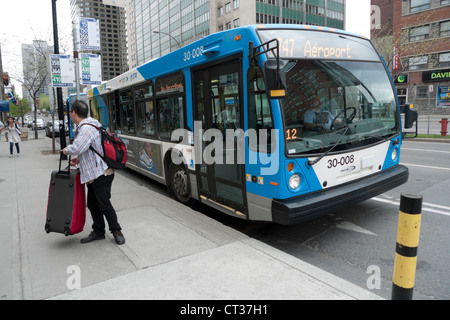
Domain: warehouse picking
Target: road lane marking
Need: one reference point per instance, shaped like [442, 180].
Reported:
[425, 206]
[345, 225]
[428, 167]
[425, 150]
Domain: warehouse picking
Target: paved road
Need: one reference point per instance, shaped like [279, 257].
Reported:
[360, 239]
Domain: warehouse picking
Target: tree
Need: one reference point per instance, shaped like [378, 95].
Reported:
[44, 102]
[36, 73]
[387, 40]
[19, 110]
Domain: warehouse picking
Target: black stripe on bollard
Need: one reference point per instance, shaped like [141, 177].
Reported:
[406, 248]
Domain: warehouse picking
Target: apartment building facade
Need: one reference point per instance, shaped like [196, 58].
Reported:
[113, 36]
[419, 52]
[157, 27]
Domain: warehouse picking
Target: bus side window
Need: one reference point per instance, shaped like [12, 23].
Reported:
[259, 112]
[171, 115]
[145, 118]
[127, 108]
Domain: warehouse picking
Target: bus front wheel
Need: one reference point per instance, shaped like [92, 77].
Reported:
[179, 184]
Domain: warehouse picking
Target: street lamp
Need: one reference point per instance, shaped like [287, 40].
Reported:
[167, 34]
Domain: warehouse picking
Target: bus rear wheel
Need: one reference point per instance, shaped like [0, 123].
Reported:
[179, 184]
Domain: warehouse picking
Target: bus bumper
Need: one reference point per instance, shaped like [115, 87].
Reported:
[310, 206]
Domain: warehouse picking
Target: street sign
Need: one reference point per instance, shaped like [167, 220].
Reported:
[396, 59]
[430, 88]
[89, 34]
[62, 70]
[91, 69]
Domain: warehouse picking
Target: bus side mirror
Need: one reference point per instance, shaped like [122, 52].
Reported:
[275, 79]
[410, 115]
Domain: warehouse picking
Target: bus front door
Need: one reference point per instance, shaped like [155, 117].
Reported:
[217, 104]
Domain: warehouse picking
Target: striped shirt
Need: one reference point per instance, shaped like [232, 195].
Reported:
[91, 165]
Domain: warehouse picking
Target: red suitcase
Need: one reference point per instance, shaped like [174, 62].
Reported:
[66, 207]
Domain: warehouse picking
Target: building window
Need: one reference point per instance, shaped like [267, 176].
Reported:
[418, 63]
[444, 60]
[444, 29]
[419, 33]
[228, 7]
[235, 4]
[445, 2]
[236, 23]
[419, 5]
[402, 95]
[220, 13]
[422, 92]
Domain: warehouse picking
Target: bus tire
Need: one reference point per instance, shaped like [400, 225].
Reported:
[179, 183]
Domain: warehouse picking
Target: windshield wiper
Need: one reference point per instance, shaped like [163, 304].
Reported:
[311, 163]
[395, 142]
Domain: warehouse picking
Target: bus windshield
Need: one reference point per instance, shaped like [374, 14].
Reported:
[331, 101]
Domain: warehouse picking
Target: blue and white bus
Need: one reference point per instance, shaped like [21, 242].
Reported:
[274, 123]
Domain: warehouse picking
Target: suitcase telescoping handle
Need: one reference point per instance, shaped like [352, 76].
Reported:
[66, 171]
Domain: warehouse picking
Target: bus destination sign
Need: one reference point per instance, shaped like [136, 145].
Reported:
[312, 44]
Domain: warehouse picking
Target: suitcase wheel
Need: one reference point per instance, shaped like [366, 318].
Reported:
[47, 226]
[67, 231]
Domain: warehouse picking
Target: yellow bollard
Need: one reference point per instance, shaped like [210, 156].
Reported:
[406, 249]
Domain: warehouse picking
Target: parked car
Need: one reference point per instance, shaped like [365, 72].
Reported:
[40, 124]
[49, 128]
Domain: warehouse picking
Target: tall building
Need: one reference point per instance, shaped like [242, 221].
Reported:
[157, 27]
[415, 42]
[35, 55]
[113, 37]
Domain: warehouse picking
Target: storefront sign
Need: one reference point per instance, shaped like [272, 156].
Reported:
[436, 76]
[443, 97]
[401, 79]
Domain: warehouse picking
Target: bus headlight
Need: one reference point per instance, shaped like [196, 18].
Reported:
[294, 181]
[394, 154]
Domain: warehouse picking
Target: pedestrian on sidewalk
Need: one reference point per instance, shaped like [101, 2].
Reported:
[13, 136]
[94, 173]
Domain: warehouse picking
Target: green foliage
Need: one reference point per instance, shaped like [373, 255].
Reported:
[21, 109]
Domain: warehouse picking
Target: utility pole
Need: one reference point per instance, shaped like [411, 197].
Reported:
[59, 98]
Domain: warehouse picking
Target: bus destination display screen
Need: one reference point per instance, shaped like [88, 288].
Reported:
[312, 44]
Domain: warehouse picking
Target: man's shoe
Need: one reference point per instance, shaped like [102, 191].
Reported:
[92, 237]
[119, 237]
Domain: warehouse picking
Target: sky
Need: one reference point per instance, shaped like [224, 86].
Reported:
[23, 21]
[358, 17]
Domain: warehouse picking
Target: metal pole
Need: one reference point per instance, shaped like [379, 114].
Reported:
[429, 109]
[406, 248]
[77, 60]
[59, 97]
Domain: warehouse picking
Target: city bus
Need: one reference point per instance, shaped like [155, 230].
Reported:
[270, 123]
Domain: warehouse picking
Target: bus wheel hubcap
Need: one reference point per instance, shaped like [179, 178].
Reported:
[180, 183]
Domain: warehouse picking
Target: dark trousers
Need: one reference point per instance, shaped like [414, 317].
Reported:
[98, 202]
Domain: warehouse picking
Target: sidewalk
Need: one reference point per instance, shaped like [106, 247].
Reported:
[171, 251]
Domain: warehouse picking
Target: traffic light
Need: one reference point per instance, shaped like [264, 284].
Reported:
[5, 79]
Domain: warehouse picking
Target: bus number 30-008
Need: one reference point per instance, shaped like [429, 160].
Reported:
[333, 163]
[192, 54]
